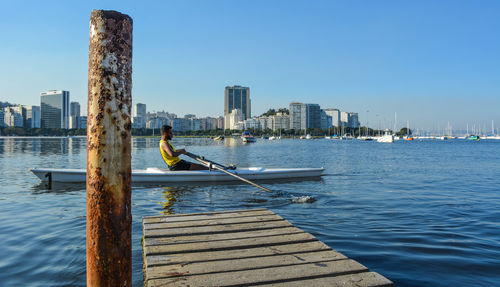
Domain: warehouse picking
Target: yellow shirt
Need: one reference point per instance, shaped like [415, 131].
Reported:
[169, 160]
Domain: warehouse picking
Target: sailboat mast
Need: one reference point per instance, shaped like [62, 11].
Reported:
[395, 121]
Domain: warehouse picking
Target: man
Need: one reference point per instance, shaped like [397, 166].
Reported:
[171, 156]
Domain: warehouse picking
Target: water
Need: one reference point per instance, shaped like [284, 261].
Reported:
[419, 213]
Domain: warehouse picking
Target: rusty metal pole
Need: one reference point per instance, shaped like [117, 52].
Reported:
[109, 217]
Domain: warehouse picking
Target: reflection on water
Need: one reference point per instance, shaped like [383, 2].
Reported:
[42, 146]
[169, 196]
[57, 187]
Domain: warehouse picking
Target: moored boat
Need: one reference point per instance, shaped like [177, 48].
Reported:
[248, 137]
[387, 138]
[166, 176]
[472, 137]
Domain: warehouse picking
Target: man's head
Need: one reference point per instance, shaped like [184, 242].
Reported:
[166, 131]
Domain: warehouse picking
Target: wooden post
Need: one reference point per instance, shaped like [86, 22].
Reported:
[109, 217]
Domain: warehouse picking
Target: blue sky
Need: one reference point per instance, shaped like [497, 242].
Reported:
[431, 62]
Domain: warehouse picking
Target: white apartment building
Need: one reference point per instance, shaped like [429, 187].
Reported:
[335, 114]
[233, 118]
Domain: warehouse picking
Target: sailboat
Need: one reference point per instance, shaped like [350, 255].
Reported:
[408, 137]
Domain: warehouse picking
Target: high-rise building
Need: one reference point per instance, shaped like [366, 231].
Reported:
[2, 118]
[344, 119]
[139, 116]
[335, 114]
[74, 115]
[82, 122]
[181, 124]
[13, 117]
[304, 116]
[353, 120]
[326, 120]
[312, 119]
[21, 110]
[237, 97]
[296, 116]
[74, 109]
[220, 123]
[54, 109]
[32, 117]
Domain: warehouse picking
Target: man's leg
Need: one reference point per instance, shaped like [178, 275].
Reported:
[195, 166]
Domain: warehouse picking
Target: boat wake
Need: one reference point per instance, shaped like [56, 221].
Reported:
[303, 199]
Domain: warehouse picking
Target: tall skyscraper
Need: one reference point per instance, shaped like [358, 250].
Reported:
[236, 97]
[139, 116]
[54, 109]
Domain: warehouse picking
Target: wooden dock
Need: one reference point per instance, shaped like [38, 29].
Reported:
[243, 248]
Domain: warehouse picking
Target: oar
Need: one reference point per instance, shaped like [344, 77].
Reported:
[210, 164]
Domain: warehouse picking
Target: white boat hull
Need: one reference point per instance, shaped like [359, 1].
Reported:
[386, 139]
[165, 175]
[249, 139]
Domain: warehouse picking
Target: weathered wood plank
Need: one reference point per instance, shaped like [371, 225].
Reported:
[216, 229]
[230, 244]
[221, 236]
[364, 279]
[263, 275]
[242, 264]
[209, 256]
[205, 215]
[242, 248]
[213, 221]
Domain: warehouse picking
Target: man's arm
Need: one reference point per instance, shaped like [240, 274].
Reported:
[166, 147]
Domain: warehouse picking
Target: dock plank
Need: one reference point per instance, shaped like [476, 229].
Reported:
[241, 264]
[199, 230]
[221, 236]
[206, 215]
[213, 221]
[229, 244]
[262, 275]
[243, 248]
[209, 256]
[364, 279]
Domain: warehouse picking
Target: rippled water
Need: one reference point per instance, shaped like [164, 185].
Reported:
[419, 213]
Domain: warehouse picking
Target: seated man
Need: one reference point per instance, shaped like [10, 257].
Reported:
[171, 155]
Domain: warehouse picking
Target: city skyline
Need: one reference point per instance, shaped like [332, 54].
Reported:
[431, 63]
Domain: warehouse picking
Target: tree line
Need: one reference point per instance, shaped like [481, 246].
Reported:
[363, 131]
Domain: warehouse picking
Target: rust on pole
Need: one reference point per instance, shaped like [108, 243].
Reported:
[109, 217]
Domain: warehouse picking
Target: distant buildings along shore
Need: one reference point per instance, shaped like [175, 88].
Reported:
[56, 111]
